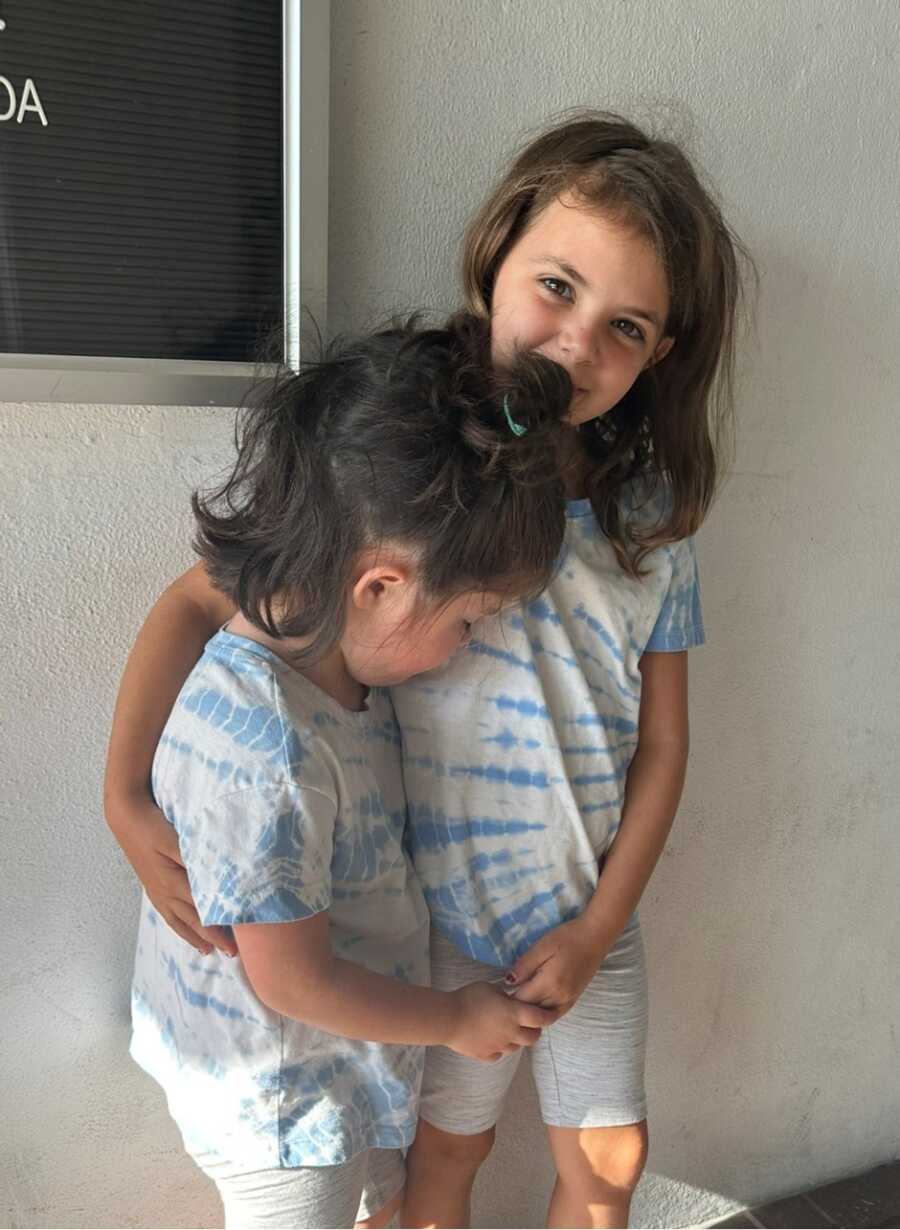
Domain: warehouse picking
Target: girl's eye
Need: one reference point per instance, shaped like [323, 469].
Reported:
[630, 329]
[557, 287]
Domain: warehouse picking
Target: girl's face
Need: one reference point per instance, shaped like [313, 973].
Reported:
[394, 639]
[591, 295]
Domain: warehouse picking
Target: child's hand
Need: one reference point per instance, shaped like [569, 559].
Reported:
[151, 846]
[491, 1024]
[556, 969]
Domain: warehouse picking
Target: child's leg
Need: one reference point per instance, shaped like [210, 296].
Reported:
[597, 1172]
[460, 1103]
[589, 1073]
[440, 1170]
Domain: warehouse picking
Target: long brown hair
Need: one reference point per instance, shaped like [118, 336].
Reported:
[674, 423]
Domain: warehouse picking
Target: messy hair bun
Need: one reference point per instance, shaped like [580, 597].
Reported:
[406, 435]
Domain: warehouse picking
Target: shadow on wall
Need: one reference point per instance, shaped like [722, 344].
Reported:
[757, 981]
[764, 972]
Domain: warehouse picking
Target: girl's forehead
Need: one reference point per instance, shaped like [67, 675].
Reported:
[590, 242]
[569, 218]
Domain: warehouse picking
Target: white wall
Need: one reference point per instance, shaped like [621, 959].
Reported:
[772, 923]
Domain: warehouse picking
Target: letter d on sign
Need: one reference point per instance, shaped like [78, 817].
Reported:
[11, 96]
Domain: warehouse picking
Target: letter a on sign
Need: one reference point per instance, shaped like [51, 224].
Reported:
[31, 101]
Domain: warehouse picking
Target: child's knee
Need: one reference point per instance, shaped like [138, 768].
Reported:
[613, 1157]
[437, 1149]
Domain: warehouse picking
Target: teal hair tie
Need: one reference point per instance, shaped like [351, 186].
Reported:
[516, 428]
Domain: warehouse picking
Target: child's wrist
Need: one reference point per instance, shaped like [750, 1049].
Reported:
[599, 928]
[121, 804]
[452, 1015]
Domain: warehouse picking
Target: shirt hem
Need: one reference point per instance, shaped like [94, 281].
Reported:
[675, 644]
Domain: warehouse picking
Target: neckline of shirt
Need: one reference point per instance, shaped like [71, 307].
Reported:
[579, 508]
[293, 679]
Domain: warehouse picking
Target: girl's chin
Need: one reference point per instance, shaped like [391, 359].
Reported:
[580, 413]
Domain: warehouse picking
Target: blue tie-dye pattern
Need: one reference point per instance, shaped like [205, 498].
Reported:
[240, 773]
[197, 999]
[584, 749]
[257, 728]
[625, 726]
[537, 726]
[502, 655]
[538, 648]
[509, 932]
[598, 629]
[520, 705]
[522, 778]
[594, 779]
[433, 829]
[541, 610]
[620, 688]
[507, 740]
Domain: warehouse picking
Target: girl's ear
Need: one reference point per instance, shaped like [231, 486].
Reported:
[662, 349]
[380, 582]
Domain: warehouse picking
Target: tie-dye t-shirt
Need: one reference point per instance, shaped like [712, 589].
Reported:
[285, 804]
[515, 755]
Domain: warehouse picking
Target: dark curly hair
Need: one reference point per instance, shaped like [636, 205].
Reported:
[674, 422]
[401, 436]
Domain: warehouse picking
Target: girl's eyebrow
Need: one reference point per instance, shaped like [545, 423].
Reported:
[569, 270]
[650, 317]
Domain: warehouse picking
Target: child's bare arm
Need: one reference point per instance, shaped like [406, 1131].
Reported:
[559, 966]
[170, 642]
[292, 970]
[652, 793]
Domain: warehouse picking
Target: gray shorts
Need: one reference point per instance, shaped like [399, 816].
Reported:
[588, 1068]
[307, 1196]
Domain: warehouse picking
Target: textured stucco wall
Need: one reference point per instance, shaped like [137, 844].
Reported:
[772, 924]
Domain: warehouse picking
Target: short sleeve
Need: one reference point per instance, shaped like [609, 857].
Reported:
[261, 855]
[680, 622]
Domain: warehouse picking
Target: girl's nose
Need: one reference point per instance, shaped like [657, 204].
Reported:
[579, 344]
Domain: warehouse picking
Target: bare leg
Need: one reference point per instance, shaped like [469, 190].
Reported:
[597, 1172]
[440, 1170]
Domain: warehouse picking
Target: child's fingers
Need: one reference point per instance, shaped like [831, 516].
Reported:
[167, 843]
[180, 907]
[533, 1016]
[527, 965]
[535, 990]
[221, 938]
[188, 934]
[175, 883]
[185, 921]
[544, 991]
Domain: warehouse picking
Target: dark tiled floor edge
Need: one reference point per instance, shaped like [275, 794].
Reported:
[869, 1201]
